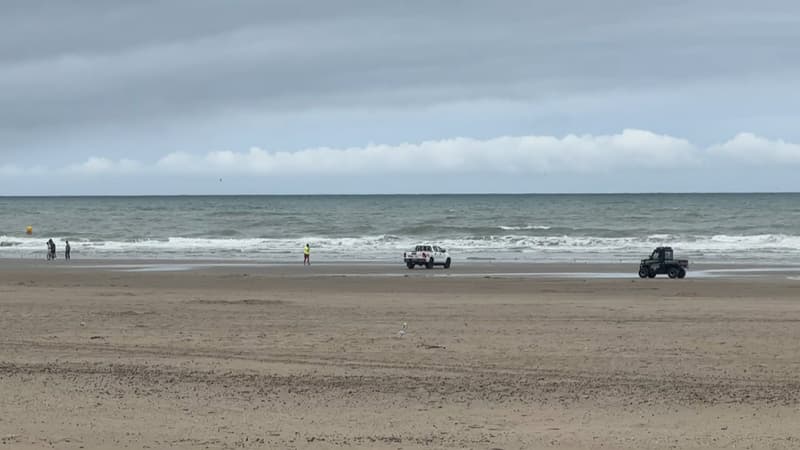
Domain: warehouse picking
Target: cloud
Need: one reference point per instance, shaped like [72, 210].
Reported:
[629, 161]
[8, 170]
[516, 155]
[524, 154]
[752, 149]
[95, 165]
[273, 57]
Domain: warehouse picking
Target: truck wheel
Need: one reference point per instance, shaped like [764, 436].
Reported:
[682, 274]
[643, 272]
[447, 264]
[429, 265]
[672, 272]
[410, 265]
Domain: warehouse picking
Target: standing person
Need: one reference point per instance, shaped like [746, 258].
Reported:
[51, 250]
[66, 251]
[307, 255]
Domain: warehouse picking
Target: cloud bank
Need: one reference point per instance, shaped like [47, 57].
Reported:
[630, 149]
[525, 154]
[752, 149]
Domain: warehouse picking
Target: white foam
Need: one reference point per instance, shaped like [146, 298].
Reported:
[526, 227]
[502, 247]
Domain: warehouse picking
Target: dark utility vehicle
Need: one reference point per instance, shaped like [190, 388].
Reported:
[661, 262]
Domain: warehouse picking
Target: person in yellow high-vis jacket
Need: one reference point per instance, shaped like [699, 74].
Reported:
[307, 255]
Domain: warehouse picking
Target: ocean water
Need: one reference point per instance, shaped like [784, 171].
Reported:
[756, 228]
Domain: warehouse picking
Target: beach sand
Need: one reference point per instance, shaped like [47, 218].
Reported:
[102, 355]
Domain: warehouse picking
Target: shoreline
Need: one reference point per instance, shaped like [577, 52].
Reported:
[469, 269]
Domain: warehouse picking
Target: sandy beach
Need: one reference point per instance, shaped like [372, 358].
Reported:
[132, 354]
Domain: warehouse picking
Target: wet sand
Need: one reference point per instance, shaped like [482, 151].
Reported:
[184, 355]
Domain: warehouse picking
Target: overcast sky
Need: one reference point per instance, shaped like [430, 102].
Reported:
[220, 97]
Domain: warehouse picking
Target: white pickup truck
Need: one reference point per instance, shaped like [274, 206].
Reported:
[428, 256]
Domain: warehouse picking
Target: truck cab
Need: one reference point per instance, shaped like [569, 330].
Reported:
[662, 254]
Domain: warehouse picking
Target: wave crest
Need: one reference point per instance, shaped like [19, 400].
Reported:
[766, 247]
[525, 227]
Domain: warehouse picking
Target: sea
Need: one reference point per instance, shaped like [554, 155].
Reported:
[706, 228]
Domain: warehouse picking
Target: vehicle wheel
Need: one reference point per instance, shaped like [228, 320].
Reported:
[447, 264]
[673, 272]
[429, 265]
[410, 265]
[682, 274]
[643, 272]
[651, 273]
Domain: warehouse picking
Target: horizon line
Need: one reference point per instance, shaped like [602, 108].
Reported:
[439, 194]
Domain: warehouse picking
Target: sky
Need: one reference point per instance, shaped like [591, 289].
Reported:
[102, 97]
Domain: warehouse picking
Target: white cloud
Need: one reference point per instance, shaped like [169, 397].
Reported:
[524, 154]
[175, 160]
[9, 170]
[630, 149]
[95, 165]
[752, 149]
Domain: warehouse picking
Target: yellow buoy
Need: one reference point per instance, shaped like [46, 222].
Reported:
[29, 230]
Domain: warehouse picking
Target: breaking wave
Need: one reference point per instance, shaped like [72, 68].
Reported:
[526, 227]
[508, 247]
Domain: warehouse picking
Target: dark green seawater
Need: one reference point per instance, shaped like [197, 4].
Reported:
[614, 227]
